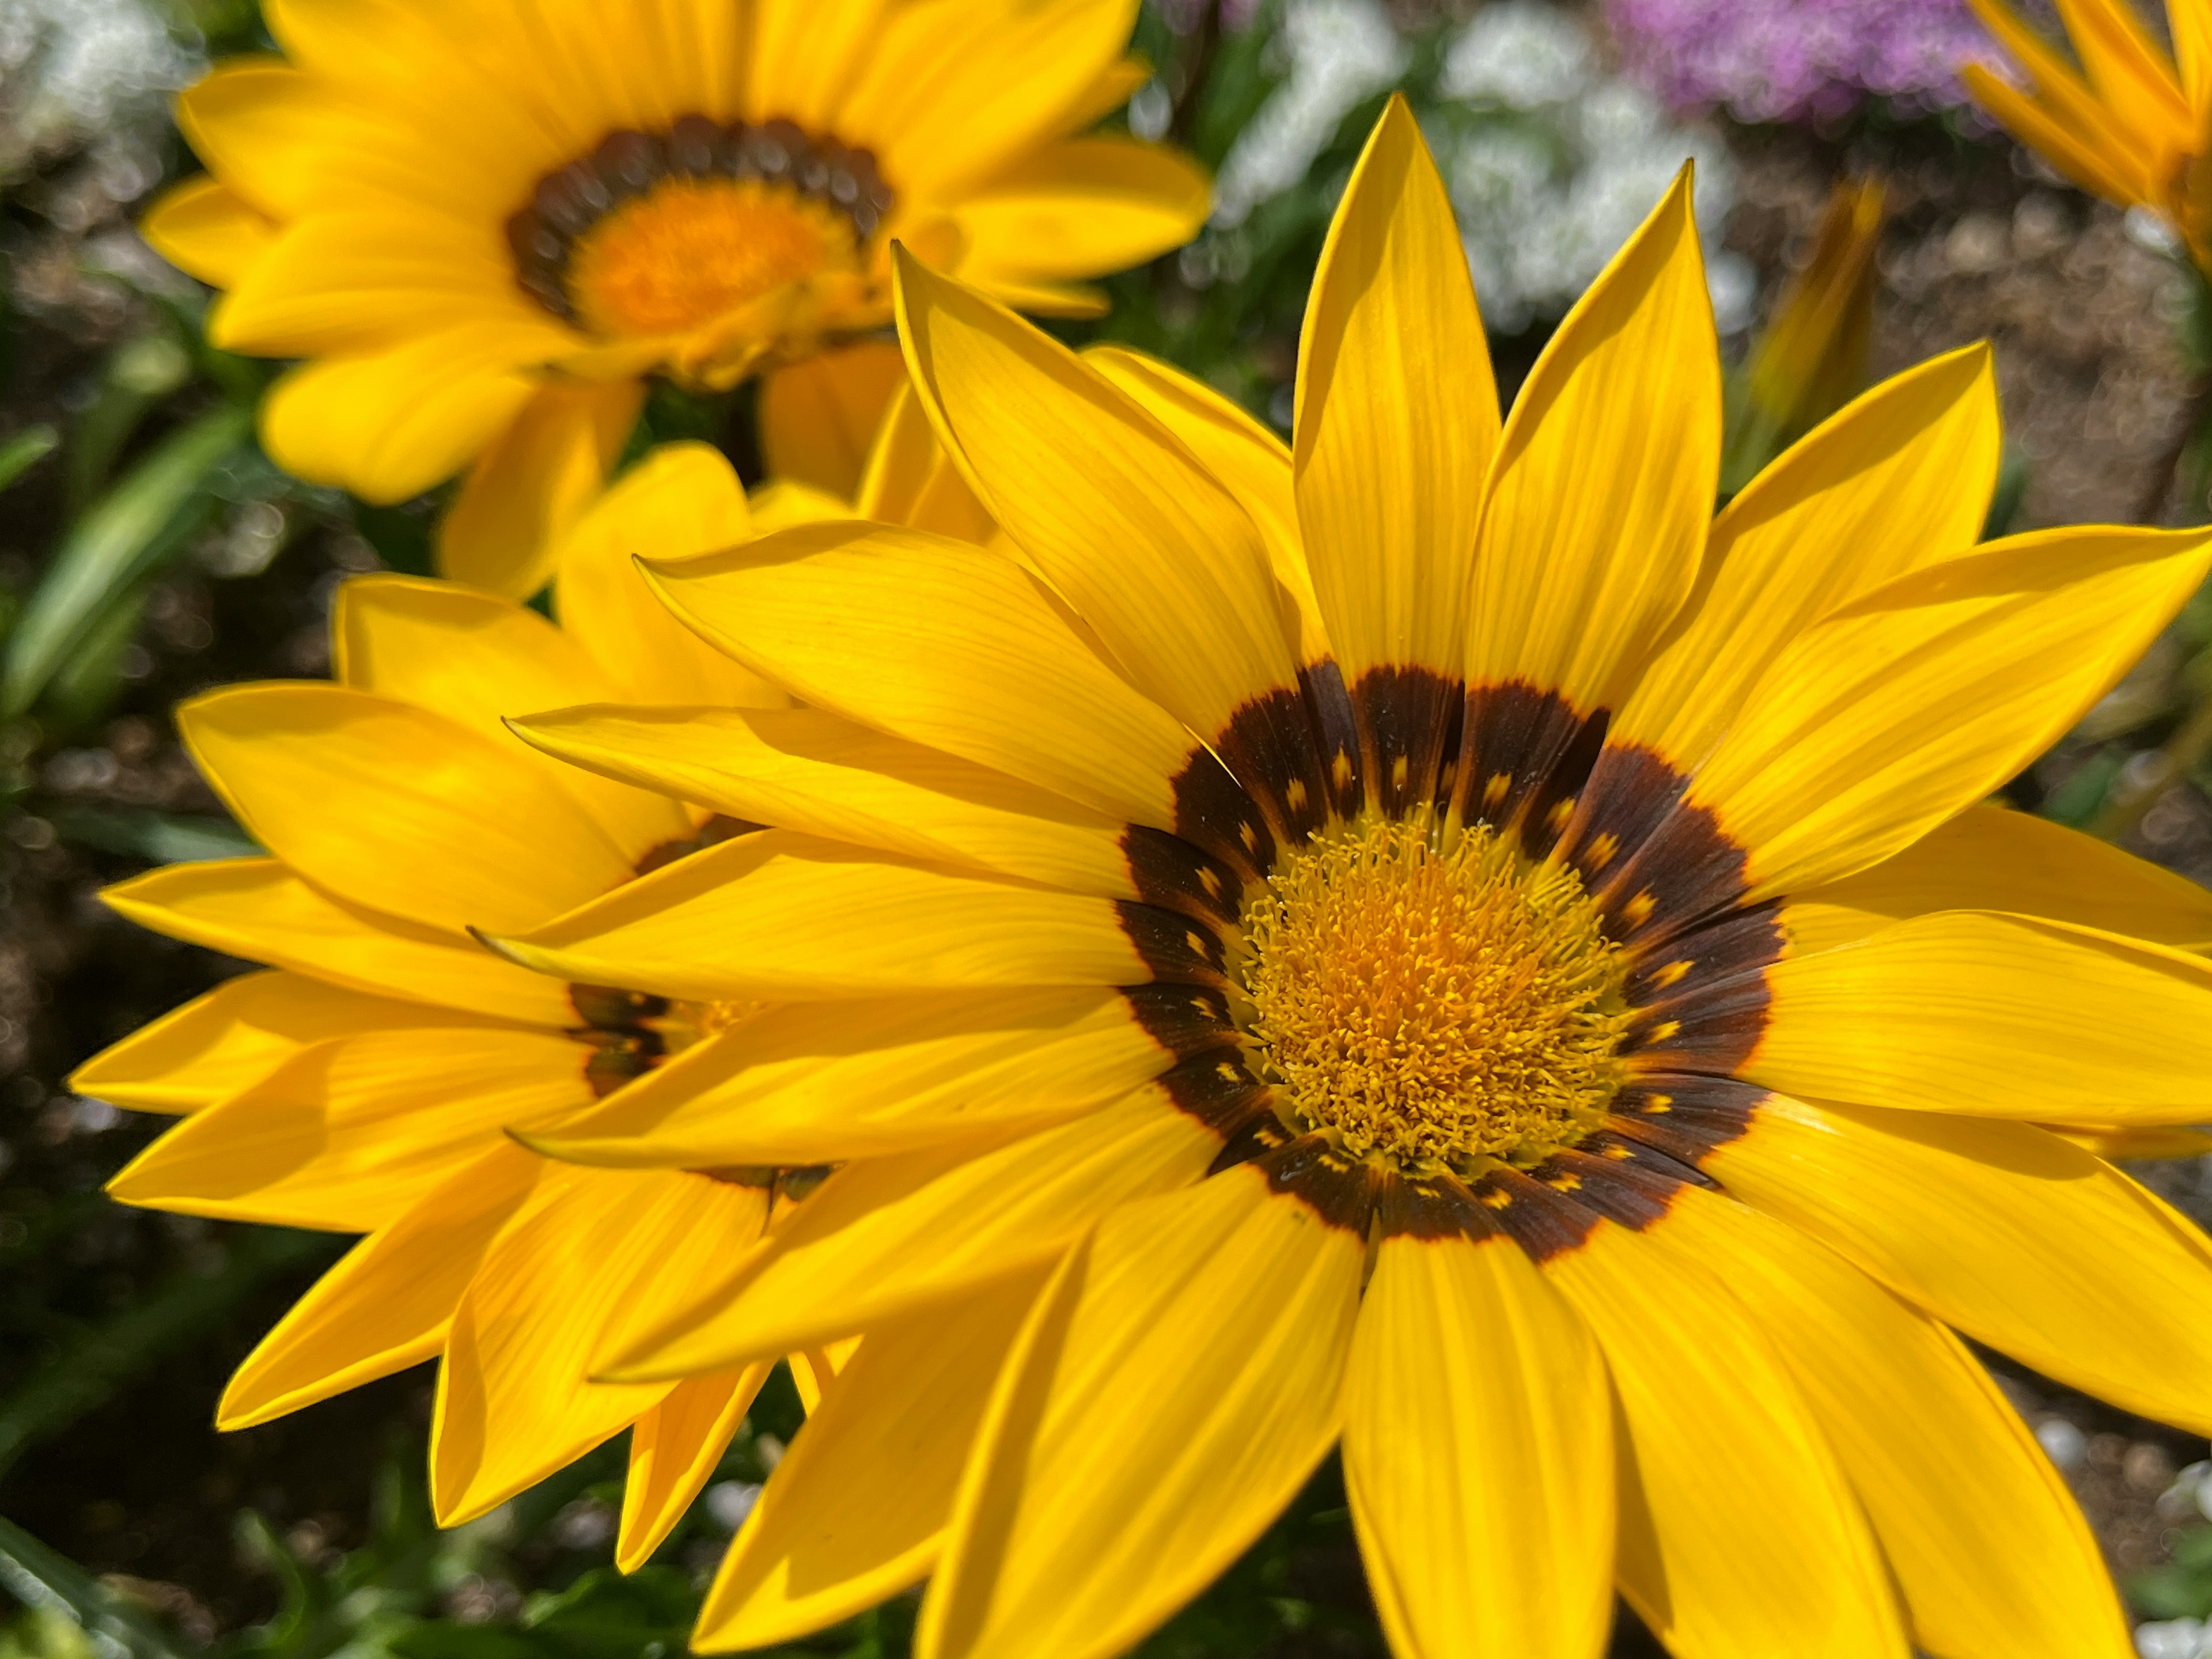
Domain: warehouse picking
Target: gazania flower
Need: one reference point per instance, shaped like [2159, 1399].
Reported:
[2125, 126]
[1429, 941]
[365, 1084]
[483, 222]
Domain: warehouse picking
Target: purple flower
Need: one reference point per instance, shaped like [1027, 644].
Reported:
[1796, 60]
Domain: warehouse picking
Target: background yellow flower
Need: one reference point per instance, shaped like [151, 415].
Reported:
[482, 220]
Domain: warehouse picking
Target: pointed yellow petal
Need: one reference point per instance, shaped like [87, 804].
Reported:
[818, 416]
[252, 121]
[1173, 1389]
[237, 1034]
[208, 231]
[1251, 462]
[1117, 514]
[2003, 1231]
[673, 1448]
[885, 1235]
[680, 500]
[513, 1402]
[1900, 479]
[1397, 415]
[780, 917]
[398, 809]
[944, 643]
[1988, 1548]
[1603, 484]
[1740, 1536]
[1994, 1016]
[853, 1512]
[478, 660]
[534, 484]
[1477, 1453]
[805, 770]
[353, 1133]
[1990, 859]
[384, 1307]
[2129, 71]
[2060, 123]
[1908, 706]
[1082, 207]
[257, 909]
[825, 1083]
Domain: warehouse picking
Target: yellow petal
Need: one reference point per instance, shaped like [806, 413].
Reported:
[1906, 706]
[818, 416]
[351, 1133]
[1991, 1552]
[478, 660]
[531, 486]
[390, 426]
[908, 481]
[673, 1448]
[2061, 124]
[948, 95]
[1116, 514]
[1900, 479]
[513, 1402]
[2107, 1142]
[825, 1083]
[1604, 479]
[1739, 1537]
[800, 768]
[2129, 71]
[237, 1034]
[2007, 1233]
[253, 121]
[385, 1307]
[853, 1511]
[1248, 460]
[801, 56]
[942, 643]
[257, 909]
[1994, 1016]
[1082, 207]
[1176, 1384]
[2191, 23]
[1478, 1453]
[883, 1236]
[780, 917]
[1397, 415]
[1991, 858]
[680, 500]
[403, 810]
[208, 230]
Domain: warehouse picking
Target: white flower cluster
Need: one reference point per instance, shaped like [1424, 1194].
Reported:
[1551, 162]
[84, 72]
[2174, 1638]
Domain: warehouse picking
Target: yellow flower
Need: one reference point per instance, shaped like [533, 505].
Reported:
[367, 1083]
[1430, 939]
[483, 221]
[2125, 126]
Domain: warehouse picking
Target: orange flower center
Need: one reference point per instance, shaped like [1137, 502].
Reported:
[1433, 998]
[696, 249]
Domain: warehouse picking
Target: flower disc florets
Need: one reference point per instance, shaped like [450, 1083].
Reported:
[1433, 997]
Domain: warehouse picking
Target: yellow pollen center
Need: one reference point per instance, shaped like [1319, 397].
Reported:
[1434, 1004]
[692, 250]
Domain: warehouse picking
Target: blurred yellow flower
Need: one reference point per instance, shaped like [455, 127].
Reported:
[1430, 939]
[2124, 125]
[483, 221]
[370, 1081]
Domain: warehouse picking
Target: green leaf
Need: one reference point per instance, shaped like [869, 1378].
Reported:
[125, 534]
[40, 1577]
[25, 451]
[162, 837]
